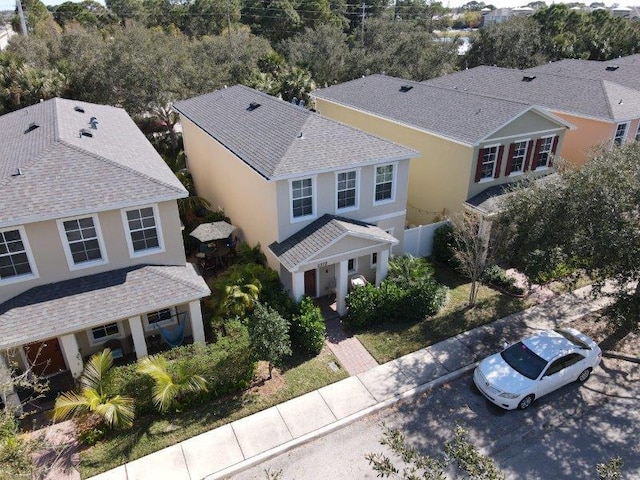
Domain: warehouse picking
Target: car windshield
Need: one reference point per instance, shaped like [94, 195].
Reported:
[523, 360]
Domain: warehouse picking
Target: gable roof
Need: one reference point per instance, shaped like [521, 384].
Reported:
[589, 97]
[71, 305]
[459, 115]
[322, 233]
[280, 140]
[617, 71]
[64, 173]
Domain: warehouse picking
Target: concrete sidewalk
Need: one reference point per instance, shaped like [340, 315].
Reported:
[251, 440]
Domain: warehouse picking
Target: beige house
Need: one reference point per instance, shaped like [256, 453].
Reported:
[469, 144]
[601, 99]
[325, 201]
[90, 241]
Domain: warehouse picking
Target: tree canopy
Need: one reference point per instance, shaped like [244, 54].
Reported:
[587, 219]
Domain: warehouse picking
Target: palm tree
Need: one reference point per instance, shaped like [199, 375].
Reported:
[170, 389]
[116, 412]
[240, 299]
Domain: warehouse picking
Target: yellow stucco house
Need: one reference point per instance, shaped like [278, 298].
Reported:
[325, 201]
[470, 144]
[601, 99]
[91, 246]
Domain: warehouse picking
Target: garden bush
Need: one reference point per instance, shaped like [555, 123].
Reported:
[443, 243]
[308, 328]
[496, 276]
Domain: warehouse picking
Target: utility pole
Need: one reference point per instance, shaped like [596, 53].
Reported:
[362, 23]
[23, 23]
[228, 21]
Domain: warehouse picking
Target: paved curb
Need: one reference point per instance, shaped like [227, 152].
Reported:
[620, 356]
[285, 447]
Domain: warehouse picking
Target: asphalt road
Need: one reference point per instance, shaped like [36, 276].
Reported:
[563, 435]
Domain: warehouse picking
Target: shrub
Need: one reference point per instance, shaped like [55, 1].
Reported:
[308, 328]
[443, 244]
[364, 307]
[126, 381]
[248, 254]
[494, 275]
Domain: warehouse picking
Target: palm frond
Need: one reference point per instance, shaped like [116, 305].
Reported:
[96, 369]
[117, 412]
[69, 404]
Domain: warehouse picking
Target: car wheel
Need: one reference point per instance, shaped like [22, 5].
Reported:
[525, 402]
[586, 373]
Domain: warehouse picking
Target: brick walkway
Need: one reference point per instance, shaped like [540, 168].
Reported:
[353, 357]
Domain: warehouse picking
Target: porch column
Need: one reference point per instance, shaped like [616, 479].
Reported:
[137, 333]
[71, 354]
[7, 392]
[382, 266]
[297, 286]
[342, 287]
[197, 327]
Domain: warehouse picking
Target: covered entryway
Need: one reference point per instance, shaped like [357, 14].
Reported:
[45, 358]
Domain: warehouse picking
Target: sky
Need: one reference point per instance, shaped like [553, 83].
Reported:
[10, 4]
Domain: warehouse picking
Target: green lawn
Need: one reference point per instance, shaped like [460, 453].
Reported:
[395, 340]
[150, 434]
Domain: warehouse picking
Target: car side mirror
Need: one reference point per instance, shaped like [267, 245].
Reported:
[504, 345]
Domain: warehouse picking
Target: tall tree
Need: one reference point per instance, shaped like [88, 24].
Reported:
[470, 249]
[583, 218]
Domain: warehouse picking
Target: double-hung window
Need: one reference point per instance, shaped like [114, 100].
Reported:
[144, 235]
[489, 162]
[346, 183]
[15, 257]
[160, 318]
[302, 198]
[621, 133]
[105, 332]
[638, 132]
[519, 155]
[384, 183]
[82, 241]
[546, 144]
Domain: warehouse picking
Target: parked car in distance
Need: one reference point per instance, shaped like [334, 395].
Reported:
[535, 366]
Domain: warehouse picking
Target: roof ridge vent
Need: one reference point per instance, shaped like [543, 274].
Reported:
[32, 126]
[252, 106]
[84, 132]
[612, 68]
[78, 109]
[528, 78]
[405, 88]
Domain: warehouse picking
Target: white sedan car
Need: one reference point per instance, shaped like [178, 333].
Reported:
[535, 366]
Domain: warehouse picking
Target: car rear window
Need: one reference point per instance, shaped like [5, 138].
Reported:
[523, 360]
[573, 339]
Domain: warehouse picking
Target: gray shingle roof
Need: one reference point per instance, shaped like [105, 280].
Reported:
[462, 116]
[594, 98]
[73, 305]
[625, 74]
[321, 233]
[279, 139]
[64, 173]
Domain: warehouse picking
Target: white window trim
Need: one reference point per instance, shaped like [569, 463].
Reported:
[637, 137]
[524, 160]
[394, 183]
[371, 262]
[492, 177]
[127, 232]
[624, 135]
[355, 265]
[93, 341]
[357, 204]
[540, 168]
[164, 323]
[314, 201]
[67, 249]
[32, 264]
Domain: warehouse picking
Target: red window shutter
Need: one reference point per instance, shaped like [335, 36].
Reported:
[512, 150]
[479, 164]
[554, 148]
[527, 161]
[499, 161]
[535, 153]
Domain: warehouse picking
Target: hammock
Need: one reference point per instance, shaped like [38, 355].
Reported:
[175, 337]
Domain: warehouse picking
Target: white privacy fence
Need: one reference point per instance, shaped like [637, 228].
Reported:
[418, 241]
